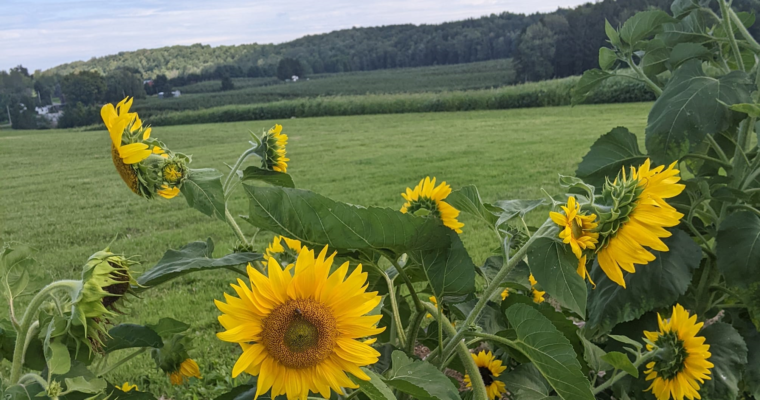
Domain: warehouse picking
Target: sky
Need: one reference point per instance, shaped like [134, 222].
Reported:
[41, 34]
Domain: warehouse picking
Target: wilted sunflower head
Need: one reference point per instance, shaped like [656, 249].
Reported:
[428, 199]
[106, 278]
[174, 359]
[140, 159]
[273, 150]
[634, 216]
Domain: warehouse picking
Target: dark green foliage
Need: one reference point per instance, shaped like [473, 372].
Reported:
[79, 114]
[84, 87]
[535, 53]
[122, 83]
[227, 84]
[289, 67]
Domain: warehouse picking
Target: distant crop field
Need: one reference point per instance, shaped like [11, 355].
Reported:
[66, 199]
[479, 75]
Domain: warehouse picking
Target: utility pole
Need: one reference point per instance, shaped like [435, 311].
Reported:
[10, 121]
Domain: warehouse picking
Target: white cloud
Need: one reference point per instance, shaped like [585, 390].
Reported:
[43, 33]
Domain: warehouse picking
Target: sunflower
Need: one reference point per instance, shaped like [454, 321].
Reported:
[276, 248]
[637, 218]
[489, 368]
[126, 387]
[538, 296]
[577, 227]
[680, 364]
[275, 141]
[168, 192]
[427, 196]
[301, 333]
[187, 369]
[119, 120]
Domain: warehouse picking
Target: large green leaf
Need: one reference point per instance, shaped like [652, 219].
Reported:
[655, 60]
[168, 326]
[467, 199]
[590, 80]
[203, 191]
[554, 266]
[752, 373]
[193, 257]
[738, 248]
[526, 383]
[14, 269]
[683, 52]
[508, 209]
[271, 177]
[317, 220]
[420, 379]
[448, 268]
[729, 355]
[692, 106]
[126, 336]
[607, 58]
[643, 24]
[549, 351]
[621, 361]
[691, 29]
[374, 388]
[593, 355]
[613, 151]
[657, 284]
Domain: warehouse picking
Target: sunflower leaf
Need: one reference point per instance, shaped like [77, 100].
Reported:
[643, 24]
[622, 362]
[657, 284]
[467, 199]
[525, 382]
[421, 379]
[738, 248]
[374, 388]
[274, 178]
[193, 257]
[610, 153]
[554, 266]
[203, 191]
[692, 106]
[127, 336]
[729, 355]
[550, 352]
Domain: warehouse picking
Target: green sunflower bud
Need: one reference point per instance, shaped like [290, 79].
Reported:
[175, 350]
[618, 201]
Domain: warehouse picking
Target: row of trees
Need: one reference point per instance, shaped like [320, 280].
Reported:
[561, 43]
[81, 94]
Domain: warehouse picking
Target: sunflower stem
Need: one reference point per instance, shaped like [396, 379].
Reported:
[621, 374]
[415, 299]
[19, 351]
[730, 33]
[491, 289]
[439, 306]
[123, 361]
[235, 227]
[478, 386]
[394, 307]
[236, 167]
[744, 32]
[414, 329]
[652, 86]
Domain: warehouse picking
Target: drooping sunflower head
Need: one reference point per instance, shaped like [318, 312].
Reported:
[106, 279]
[283, 249]
[138, 158]
[428, 199]
[635, 216]
[274, 142]
[680, 363]
[174, 359]
[301, 329]
[490, 368]
[577, 227]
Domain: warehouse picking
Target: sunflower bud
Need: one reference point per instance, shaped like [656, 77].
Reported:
[272, 150]
[619, 199]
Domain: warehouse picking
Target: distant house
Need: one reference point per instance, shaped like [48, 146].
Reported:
[51, 113]
[148, 82]
[294, 78]
[175, 93]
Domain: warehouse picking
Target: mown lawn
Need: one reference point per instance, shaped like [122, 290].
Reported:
[59, 192]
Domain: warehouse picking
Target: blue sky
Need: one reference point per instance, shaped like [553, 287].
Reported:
[44, 33]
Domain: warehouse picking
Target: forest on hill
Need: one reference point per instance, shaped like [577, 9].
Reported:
[557, 44]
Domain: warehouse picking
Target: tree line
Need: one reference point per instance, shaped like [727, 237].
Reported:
[557, 44]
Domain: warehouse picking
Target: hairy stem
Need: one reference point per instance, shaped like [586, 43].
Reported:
[652, 86]
[743, 31]
[235, 227]
[414, 329]
[394, 307]
[415, 299]
[19, 351]
[478, 387]
[730, 33]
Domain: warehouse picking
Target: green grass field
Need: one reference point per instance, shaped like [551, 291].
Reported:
[60, 193]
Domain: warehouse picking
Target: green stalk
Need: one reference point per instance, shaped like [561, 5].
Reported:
[235, 227]
[488, 293]
[123, 361]
[415, 299]
[19, 351]
[653, 86]
[621, 374]
[236, 167]
[730, 33]
[394, 307]
[414, 328]
[478, 386]
[744, 32]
